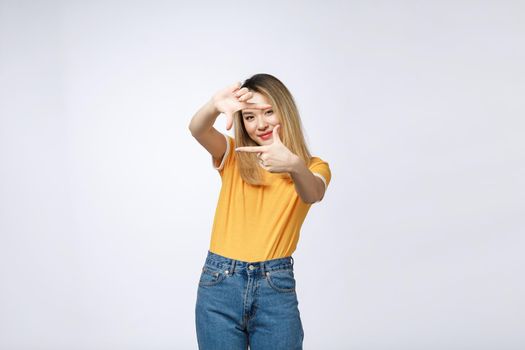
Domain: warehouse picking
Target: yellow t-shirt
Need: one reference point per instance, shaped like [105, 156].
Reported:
[256, 223]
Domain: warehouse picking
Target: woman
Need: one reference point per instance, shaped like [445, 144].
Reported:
[246, 293]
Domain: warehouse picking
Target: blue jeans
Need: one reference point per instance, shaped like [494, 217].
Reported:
[241, 303]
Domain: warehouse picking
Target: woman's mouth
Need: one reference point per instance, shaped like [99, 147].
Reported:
[266, 136]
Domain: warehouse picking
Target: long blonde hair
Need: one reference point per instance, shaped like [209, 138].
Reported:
[291, 127]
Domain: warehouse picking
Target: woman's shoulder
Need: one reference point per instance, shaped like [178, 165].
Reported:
[317, 160]
[321, 168]
[230, 140]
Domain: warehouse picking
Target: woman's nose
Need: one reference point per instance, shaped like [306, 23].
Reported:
[262, 124]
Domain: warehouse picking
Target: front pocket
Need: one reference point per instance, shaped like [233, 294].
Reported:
[211, 277]
[281, 280]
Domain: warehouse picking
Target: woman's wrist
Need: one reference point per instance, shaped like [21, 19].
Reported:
[296, 165]
[210, 105]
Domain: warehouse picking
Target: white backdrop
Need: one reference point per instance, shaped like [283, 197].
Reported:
[107, 202]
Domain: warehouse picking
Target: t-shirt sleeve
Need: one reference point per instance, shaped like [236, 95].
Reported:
[226, 158]
[321, 169]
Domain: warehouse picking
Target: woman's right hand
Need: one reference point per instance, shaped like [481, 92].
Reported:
[231, 99]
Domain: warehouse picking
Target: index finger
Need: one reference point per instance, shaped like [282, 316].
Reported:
[251, 149]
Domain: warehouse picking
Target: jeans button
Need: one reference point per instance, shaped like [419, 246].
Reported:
[251, 267]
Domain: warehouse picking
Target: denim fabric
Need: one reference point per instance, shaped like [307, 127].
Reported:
[247, 303]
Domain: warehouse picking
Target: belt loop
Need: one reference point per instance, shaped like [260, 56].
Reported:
[232, 266]
[291, 260]
[263, 268]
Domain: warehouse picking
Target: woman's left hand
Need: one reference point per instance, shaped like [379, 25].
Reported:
[275, 158]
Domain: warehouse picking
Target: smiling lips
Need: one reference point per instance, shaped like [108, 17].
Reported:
[266, 136]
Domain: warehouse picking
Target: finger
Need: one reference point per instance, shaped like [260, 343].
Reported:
[229, 121]
[235, 86]
[265, 167]
[251, 149]
[276, 137]
[245, 96]
[241, 91]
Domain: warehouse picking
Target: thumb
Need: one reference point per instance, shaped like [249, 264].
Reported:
[276, 137]
[229, 121]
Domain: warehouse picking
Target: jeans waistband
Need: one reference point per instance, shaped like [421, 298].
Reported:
[222, 262]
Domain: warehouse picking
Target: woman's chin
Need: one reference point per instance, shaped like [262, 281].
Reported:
[265, 142]
[262, 142]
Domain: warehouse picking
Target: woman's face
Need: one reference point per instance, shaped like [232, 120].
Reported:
[259, 123]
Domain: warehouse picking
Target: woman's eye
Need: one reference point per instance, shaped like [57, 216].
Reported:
[248, 117]
[270, 111]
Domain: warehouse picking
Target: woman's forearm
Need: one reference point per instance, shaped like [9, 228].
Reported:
[308, 186]
[203, 119]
